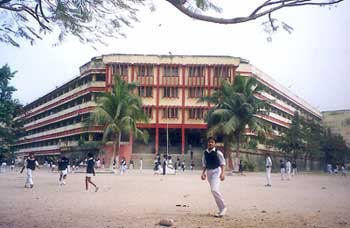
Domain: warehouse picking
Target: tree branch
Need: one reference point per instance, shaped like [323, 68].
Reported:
[252, 16]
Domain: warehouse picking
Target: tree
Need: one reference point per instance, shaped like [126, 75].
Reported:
[236, 111]
[334, 148]
[292, 141]
[118, 111]
[10, 129]
[90, 21]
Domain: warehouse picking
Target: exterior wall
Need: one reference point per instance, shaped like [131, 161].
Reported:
[339, 123]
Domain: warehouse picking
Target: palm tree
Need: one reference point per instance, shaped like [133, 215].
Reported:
[235, 112]
[118, 111]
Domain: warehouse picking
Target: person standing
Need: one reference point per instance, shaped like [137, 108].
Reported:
[294, 168]
[123, 166]
[213, 169]
[141, 164]
[30, 164]
[240, 167]
[192, 165]
[288, 169]
[283, 169]
[268, 170]
[90, 171]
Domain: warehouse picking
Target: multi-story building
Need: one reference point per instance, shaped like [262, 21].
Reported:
[339, 123]
[170, 87]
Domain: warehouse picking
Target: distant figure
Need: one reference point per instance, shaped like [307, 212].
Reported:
[192, 165]
[90, 171]
[53, 165]
[131, 164]
[164, 164]
[240, 167]
[3, 167]
[213, 166]
[191, 151]
[63, 169]
[114, 164]
[329, 168]
[288, 169]
[141, 164]
[98, 163]
[343, 171]
[30, 164]
[283, 169]
[103, 163]
[268, 170]
[12, 165]
[294, 168]
[183, 165]
[156, 168]
[123, 166]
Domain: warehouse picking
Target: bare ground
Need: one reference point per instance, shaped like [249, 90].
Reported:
[143, 199]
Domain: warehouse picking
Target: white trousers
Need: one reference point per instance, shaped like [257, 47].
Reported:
[268, 175]
[288, 174]
[214, 182]
[283, 171]
[29, 179]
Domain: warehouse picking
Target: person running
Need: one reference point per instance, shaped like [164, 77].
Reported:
[268, 170]
[63, 169]
[90, 171]
[213, 165]
[30, 164]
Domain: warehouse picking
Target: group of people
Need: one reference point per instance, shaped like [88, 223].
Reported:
[288, 168]
[30, 164]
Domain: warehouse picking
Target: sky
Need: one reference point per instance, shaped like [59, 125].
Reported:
[313, 62]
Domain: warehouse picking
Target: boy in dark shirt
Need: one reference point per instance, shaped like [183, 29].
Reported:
[30, 164]
[63, 169]
[90, 171]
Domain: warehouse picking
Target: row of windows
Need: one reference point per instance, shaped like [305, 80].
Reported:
[51, 142]
[66, 89]
[170, 70]
[63, 123]
[147, 91]
[62, 107]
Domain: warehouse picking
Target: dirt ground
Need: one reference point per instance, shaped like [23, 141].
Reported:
[143, 199]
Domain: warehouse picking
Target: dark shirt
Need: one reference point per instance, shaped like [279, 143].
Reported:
[31, 163]
[282, 165]
[90, 166]
[211, 159]
[63, 164]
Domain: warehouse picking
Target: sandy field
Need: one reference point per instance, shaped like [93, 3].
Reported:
[143, 199]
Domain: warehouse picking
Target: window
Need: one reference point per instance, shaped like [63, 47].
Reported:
[196, 92]
[120, 69]
[170, 92]
[171, 71]
[195, 71]
[170, 113]
[148, 112]
[195, 113]
[221, 71]
[145, 70]
[145, 91]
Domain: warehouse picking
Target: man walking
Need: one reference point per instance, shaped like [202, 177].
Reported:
[213, 166]
[30, 164]
[268, 170]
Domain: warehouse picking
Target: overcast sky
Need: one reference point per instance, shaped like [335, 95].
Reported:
[313, 61]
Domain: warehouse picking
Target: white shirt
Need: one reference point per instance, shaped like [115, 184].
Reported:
[288, 165]
[268, 161]
[220, 156]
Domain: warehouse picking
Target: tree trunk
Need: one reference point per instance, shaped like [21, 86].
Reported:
[115, 151]
[238, 154]
[228, 154]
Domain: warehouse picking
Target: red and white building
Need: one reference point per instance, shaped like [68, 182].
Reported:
[169, 86]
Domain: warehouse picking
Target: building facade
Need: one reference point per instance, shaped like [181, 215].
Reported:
[170, 87]
[338, 122]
